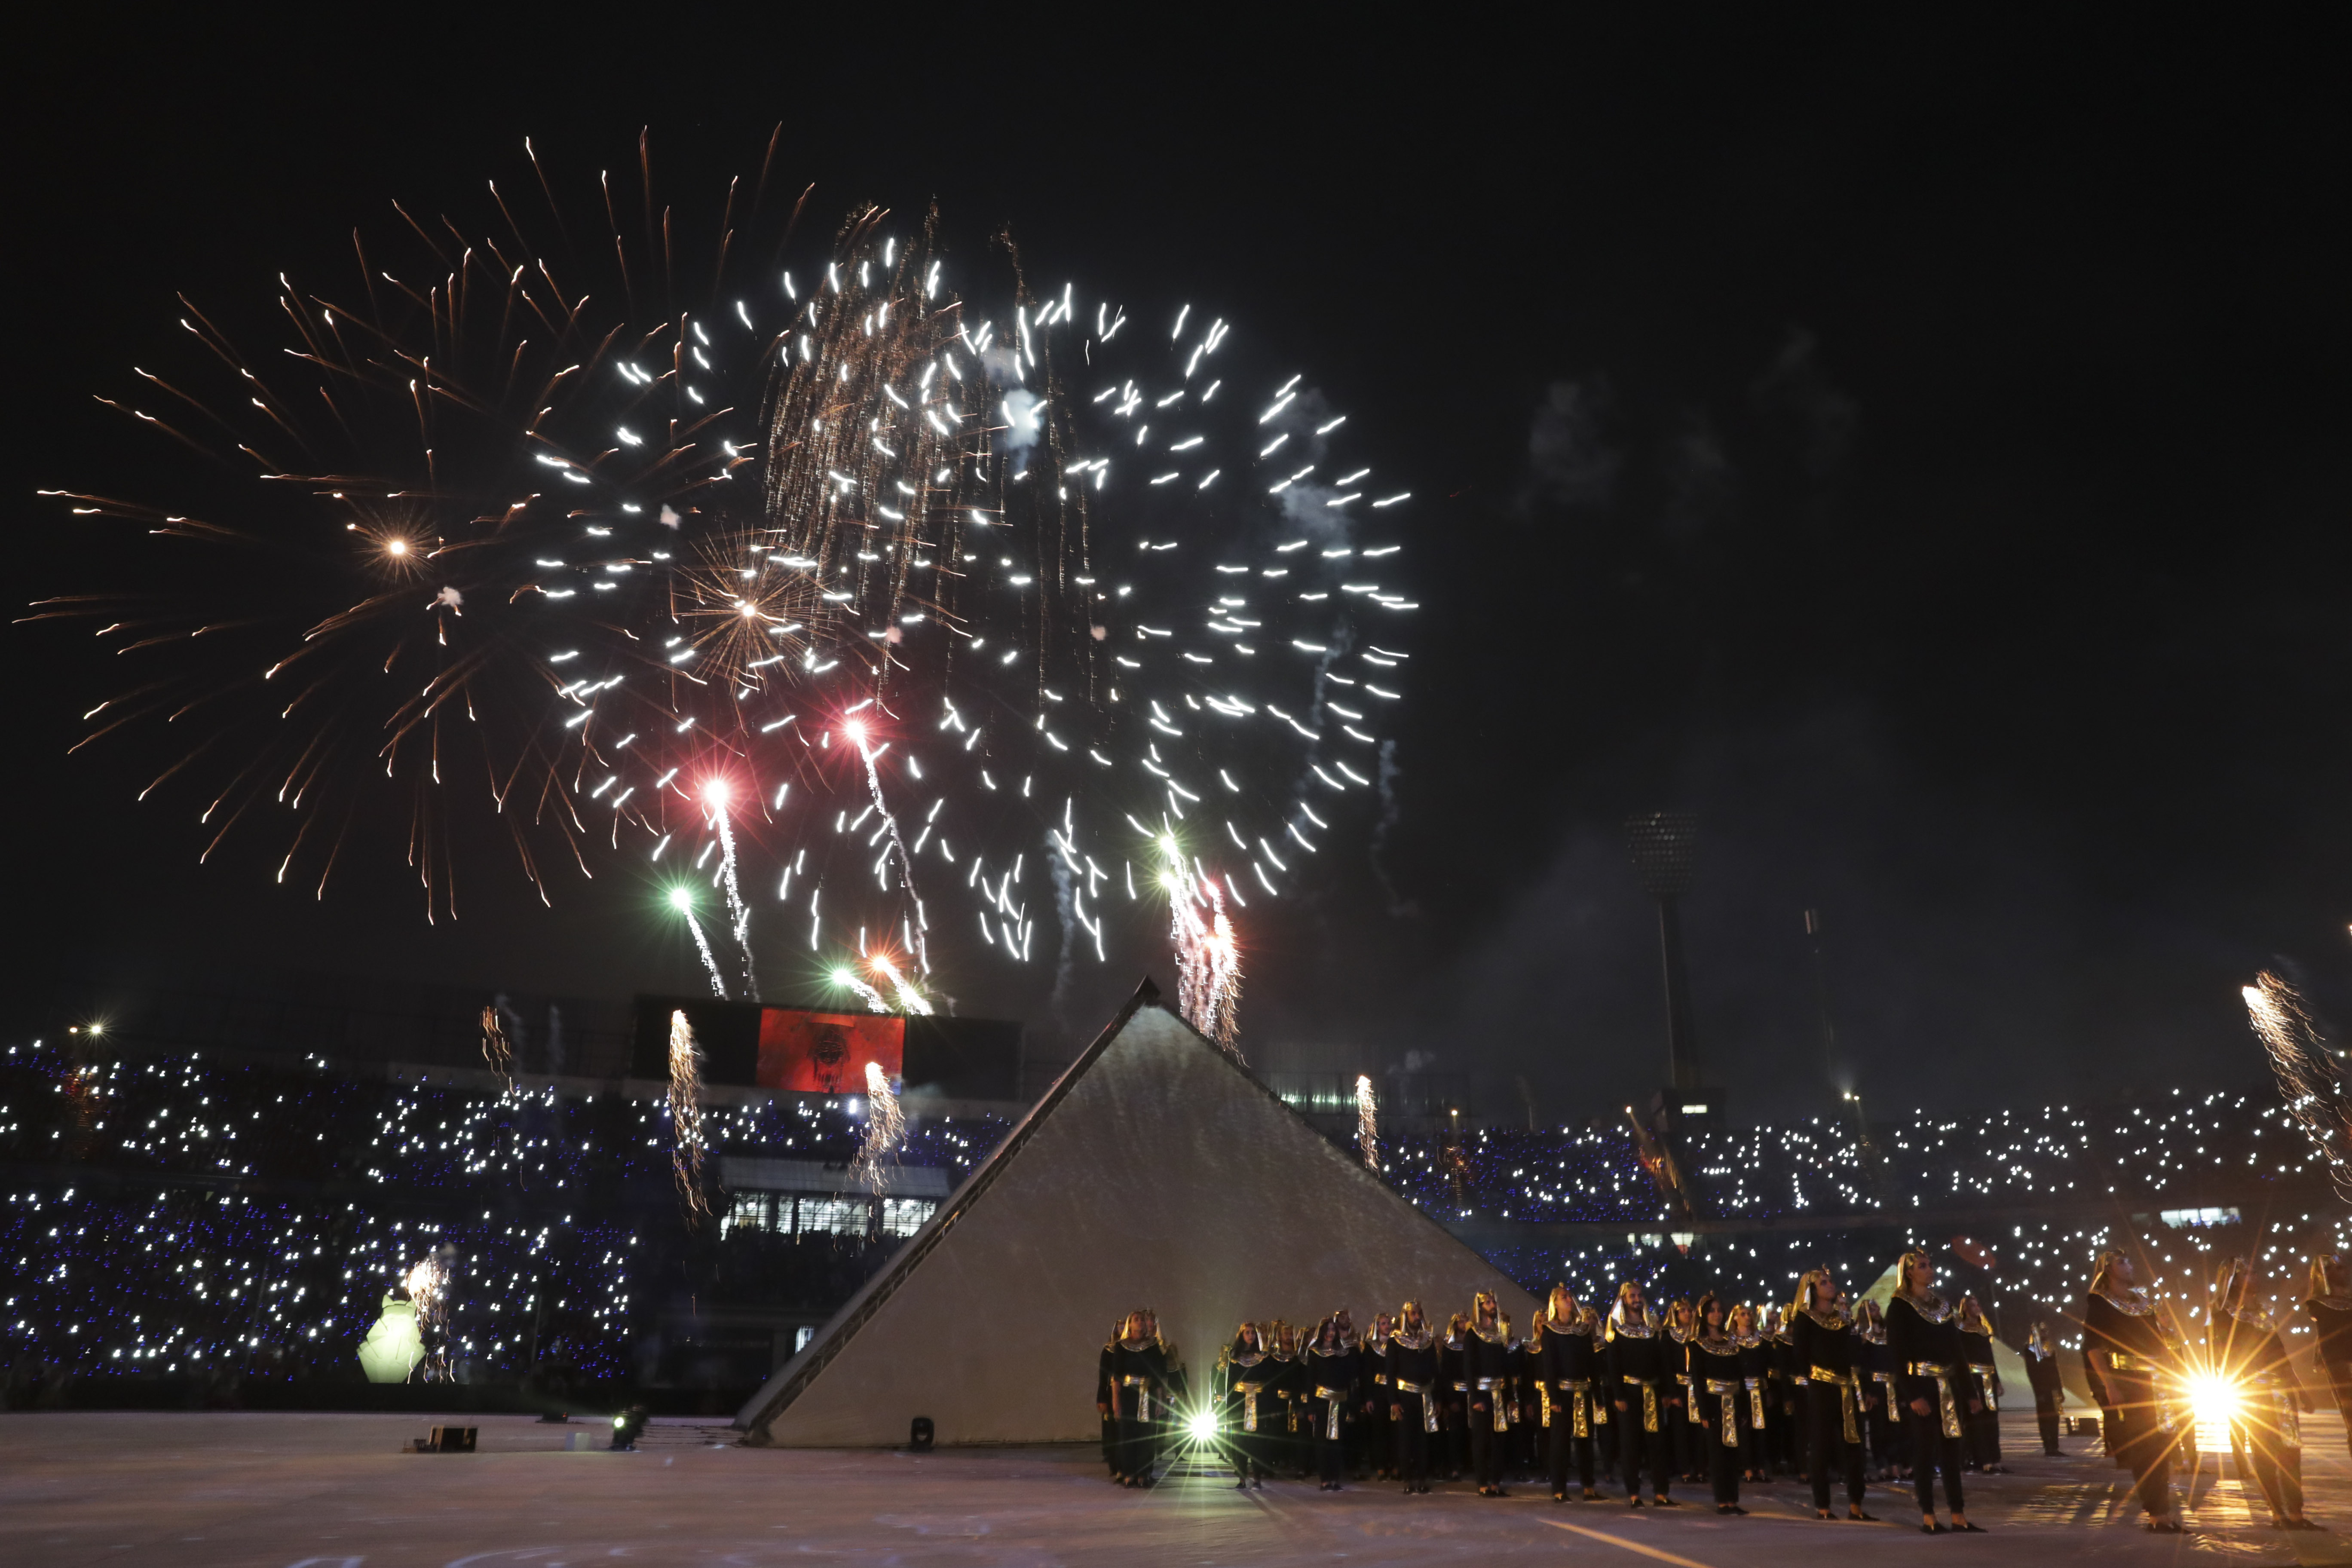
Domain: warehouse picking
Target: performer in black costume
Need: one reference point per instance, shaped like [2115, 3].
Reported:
[2329, 1308]
[1331, 1382]
[1287, 1451]
[2266, 1433]
[1823, 1341]
[1754, 1354]
[1105, 1405]
[1485, 1367]
[1639, 1391]
[1685, 1456]
[1565, 1370]
[2041, 1371]
[1376, 1435]
[1879, 1405]
[1719, 1400]
[1787, 1394]
[1455, 1457]
[1413, 1400]
[1984, 1382]
[1251, 1405]
[1927, 1357]
[1138, 1388]
[2122, 1340]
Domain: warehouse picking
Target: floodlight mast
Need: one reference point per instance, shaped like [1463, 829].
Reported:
[1663, 848]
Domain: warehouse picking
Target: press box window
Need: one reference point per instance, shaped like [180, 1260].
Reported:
[905, 1216]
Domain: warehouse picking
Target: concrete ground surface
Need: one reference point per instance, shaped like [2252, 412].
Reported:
[335, 1491]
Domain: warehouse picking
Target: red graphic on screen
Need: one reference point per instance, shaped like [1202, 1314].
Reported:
[826, 1053]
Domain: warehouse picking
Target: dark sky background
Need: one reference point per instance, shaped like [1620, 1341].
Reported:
[1917, 444]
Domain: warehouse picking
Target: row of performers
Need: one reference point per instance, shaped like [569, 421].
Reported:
[1703, 1391]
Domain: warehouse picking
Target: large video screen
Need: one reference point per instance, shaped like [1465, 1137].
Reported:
[826, 1053]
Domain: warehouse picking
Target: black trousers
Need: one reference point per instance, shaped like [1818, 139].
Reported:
[2264, 1452]
[1885, 1432]
[1561, 1445]
[1137, 1448]
[1932, 1451]
[1330, 1453]
[1375, 1444]
[2143, 1445]
[1639, 1448]
[1411, 1439]
[1485, 1443]
[1722, 1465]
[2045, 1415]
[1825, 1410]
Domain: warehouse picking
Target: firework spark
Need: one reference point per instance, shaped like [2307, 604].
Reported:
[885, 1128]
[497, 1050]
[1367, 1123]
[896, 544]
[2306, 1069]
[685, 1112]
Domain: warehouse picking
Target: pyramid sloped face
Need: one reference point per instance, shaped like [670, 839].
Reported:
[1163, 1177]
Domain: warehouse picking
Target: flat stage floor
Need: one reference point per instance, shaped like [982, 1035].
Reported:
[334, 1491]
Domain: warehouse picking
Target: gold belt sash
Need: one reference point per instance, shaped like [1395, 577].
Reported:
[2124, 1362]
[1756, 1403]
[1649, 1401]
[1985, 1372]
[1249, 1392]
[1944, 1401]
[1332, 1404]
[1845, 1382]
[1580, 1400]
[1543, 1393]
[1727, 1393]
[1143, 1385]
[1502, 1409]
[1428, 1406]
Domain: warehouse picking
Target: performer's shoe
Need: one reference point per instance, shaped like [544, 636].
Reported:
[1560, 1497]
[2162, 1527]
[1593, 1495]
[1634, 1501]
[1972, 1529]
[1859, 1517]
[1931, 1528]
[1662, 1501]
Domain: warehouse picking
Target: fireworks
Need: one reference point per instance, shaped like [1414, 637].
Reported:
[878, 566]
[1368, 1123]
[496, 1049]
[2308, 1080]
[428, 1285]
[885, 1128]
[685, 1112]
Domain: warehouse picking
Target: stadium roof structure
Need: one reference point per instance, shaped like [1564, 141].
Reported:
[1157, 1172]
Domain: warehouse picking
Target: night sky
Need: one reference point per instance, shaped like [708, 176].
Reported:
[1917, 444]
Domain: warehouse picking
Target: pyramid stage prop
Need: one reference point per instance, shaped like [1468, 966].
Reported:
[1156, 1172]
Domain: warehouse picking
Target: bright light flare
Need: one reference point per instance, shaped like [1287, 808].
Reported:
[682, 899]
[718, 792]
[2215, 1400]
[1202, 1426]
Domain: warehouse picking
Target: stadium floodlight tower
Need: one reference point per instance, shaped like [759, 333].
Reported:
[1663, 846]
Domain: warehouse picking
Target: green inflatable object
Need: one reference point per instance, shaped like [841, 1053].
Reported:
[394, 1347]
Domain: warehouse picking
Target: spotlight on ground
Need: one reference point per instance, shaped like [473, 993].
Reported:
[625, 1428]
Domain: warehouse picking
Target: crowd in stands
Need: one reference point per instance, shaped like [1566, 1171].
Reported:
[171, 1212]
